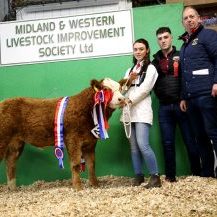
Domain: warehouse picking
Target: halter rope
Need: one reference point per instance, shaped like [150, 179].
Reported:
[127, 120]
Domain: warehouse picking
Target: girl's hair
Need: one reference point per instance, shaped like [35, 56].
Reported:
[146, 58]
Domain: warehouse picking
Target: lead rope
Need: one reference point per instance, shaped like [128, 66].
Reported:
[126, 114]
[127, 120]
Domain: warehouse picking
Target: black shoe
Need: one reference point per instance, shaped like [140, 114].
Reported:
[154, 182]
[138, 180]
[170, 179]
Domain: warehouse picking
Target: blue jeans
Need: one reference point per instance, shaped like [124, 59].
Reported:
[140, 149]
[169, 116]
[203, 116]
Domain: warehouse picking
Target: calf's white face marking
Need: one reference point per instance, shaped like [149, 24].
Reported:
[115, 87]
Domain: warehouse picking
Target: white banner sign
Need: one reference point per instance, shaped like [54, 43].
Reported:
[86, 36]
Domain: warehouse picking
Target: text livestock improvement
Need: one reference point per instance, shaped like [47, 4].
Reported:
[65, 37]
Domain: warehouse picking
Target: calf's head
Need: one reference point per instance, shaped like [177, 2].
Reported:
[113, 86]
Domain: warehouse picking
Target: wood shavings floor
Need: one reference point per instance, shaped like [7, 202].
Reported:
[116, 197]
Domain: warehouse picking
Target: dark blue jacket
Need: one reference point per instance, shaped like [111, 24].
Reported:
[198, 57]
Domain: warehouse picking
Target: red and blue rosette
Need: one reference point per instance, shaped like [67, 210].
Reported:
[101, 100]
[59, 130]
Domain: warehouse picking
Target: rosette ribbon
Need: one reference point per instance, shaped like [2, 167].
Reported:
[101, 99]
[59, 130]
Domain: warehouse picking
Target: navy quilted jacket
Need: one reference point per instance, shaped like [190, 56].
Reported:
[198, 57]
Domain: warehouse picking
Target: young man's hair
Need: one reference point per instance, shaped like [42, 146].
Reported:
[162, 30]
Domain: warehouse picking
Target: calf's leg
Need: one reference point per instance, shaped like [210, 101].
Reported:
[2, 152]
[13, 153]
[76, 181]
[75, 159]
[90, 159]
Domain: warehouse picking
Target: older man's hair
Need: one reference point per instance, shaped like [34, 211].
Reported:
[191, 7]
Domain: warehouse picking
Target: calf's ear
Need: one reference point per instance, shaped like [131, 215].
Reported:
[97, 85]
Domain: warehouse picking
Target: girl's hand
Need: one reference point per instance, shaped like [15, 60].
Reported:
[124, 102]
[133, 76]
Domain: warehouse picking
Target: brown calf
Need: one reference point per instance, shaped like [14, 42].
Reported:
[31, 120]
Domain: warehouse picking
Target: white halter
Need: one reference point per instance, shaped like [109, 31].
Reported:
[127, 120]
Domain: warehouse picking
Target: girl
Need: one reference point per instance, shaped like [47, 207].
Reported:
[138, 83]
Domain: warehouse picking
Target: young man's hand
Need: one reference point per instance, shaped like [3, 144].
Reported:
[214, 90]
[183, 105]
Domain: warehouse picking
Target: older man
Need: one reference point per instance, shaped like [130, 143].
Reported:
[198, 57]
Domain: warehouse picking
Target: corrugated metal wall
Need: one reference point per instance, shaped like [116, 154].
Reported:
[70, 9]
[3, 9]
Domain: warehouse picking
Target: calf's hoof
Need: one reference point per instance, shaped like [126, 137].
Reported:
[12, 185]
[78, 186]
[93, 182]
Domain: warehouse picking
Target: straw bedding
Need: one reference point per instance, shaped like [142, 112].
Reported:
[116, 197]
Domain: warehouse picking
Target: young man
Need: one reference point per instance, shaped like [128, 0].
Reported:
[198, 57]
[167, 89]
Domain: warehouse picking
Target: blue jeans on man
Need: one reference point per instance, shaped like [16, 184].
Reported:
[202, 112]
[169, 116]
